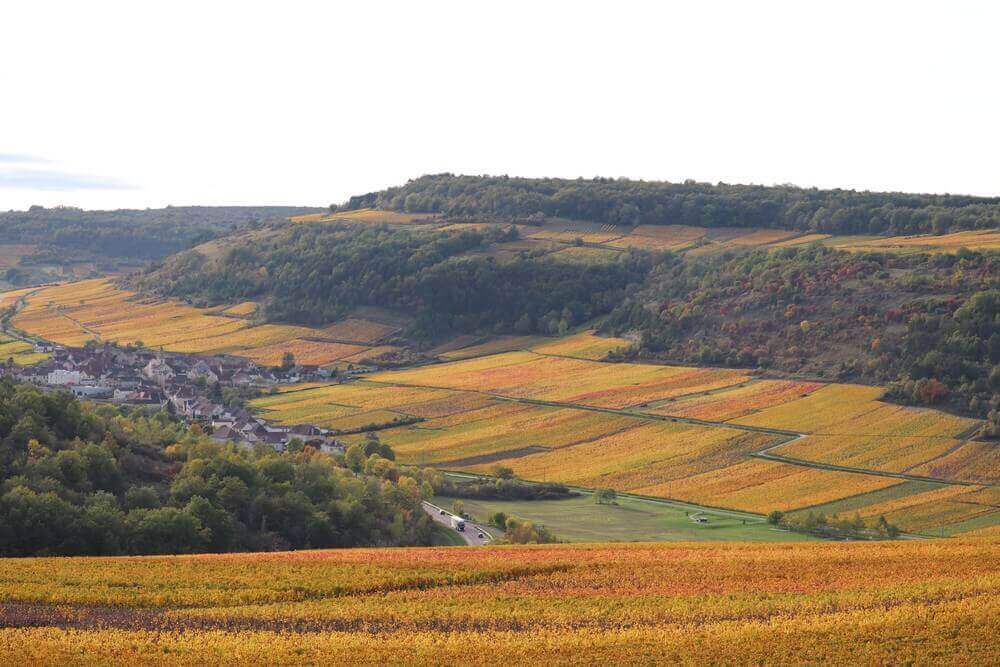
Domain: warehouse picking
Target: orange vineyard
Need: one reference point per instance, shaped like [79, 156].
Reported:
[75, 313]
[702, 603]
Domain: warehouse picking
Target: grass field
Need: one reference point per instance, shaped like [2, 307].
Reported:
[580, 519]
[706, 603]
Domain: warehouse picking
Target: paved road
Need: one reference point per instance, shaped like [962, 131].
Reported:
[470, 534]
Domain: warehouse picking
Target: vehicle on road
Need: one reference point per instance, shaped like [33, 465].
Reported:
[458, 523]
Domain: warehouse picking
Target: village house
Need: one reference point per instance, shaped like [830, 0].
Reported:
[158, 371]
[201, 370]
[63, 377]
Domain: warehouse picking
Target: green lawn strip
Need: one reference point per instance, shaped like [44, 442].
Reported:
[580, 519]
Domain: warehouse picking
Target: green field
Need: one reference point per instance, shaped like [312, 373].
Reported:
[580, 519]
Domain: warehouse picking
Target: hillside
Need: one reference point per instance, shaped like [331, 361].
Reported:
[597, 603]
[928, 323]
[915, 313]
[464, 280]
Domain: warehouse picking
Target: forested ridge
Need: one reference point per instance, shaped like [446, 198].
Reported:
[627, 202]
[84, 480]
[448, 282]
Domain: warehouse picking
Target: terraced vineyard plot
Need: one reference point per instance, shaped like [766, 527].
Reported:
[241, 309]
[831, 404]
[20, 352]
[729, 404]
[754, 603]
[74, 313]
[645, 455]
[243, 339]
[661, 237]
[570, 235]
[585, 345]
[924, 506]
[500, 432]
[493, 346]
[762, 486]
[375, 216]
[10, 297]
[985, 239]
[888, 453]
[11, 254]
[311, 352]
[701, 240]
[358, 331]
[584, 254]
[341, 406]
[974, 461]
[569, 381]
[762, 237]
[804, 239]
[368, 215]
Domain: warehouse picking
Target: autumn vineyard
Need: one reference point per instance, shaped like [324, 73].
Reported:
[485, 420]
[716, 603]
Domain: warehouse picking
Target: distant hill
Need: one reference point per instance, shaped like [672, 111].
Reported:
[43, 244]
[626, 202]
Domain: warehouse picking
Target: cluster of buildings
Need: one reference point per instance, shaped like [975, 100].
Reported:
[189, 386]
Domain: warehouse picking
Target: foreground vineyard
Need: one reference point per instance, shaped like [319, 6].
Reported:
[704, 603]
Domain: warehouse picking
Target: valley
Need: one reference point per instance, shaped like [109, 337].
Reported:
[555, 410]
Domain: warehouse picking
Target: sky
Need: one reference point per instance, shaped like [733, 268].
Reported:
[145, 104]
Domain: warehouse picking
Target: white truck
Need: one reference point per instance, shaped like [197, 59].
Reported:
[458, 523]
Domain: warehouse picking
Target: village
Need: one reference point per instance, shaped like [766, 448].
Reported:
[208, 390]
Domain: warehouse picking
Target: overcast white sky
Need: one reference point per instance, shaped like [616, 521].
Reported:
[135, 104]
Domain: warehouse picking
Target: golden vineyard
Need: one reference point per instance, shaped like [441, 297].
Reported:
[888, 602]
